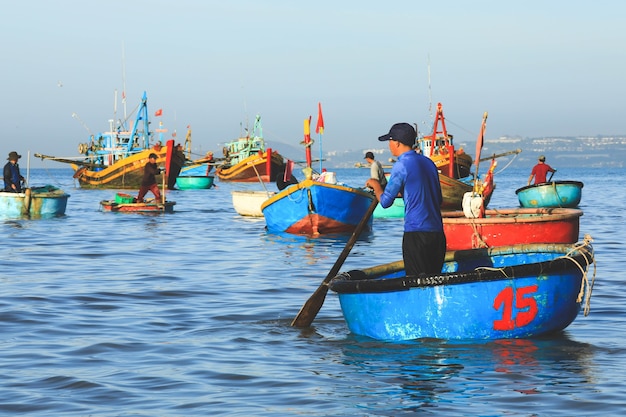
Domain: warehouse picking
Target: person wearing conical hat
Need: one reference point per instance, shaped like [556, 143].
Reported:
[12, 177]
[540, 171]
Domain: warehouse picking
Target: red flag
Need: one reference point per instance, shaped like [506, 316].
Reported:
[158, 112]
[288, 170]
[481, 137]
[320, 120]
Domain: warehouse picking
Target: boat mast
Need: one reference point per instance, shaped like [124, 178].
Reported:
[307, 141]
[123, 81]
[430, 99]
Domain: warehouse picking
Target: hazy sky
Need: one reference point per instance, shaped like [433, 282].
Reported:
[539, 68]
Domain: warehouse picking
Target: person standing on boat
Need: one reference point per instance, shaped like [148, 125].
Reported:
[540, 171]
[376, 169]
[148, 183]
[415, 177]
[209, 162]
[12, 177]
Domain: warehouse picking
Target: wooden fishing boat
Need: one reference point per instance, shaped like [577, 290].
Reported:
[248, 160]
[452, 191]
[517, 291]
[34, 203]
[194, 182]
[115, 159]
[439, 147]
[512, 226]
[551, 194]
[316, 206]
[126, 205]
[248, 202]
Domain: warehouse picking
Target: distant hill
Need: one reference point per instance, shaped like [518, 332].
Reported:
[581, 151]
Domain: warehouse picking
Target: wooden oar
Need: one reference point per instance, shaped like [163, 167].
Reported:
[313, 305]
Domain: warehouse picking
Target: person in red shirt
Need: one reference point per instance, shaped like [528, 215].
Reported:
[540, 171]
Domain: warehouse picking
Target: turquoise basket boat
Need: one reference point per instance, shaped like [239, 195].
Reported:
[192, 182]
[565, 194]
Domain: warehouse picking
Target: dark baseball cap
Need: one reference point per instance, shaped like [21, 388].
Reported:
[369, 155]
[401, 132]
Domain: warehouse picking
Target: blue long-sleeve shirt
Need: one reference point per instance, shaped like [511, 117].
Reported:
[11, 174]
[417, 179]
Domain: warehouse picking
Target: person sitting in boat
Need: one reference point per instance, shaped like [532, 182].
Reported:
[209, 162]
[540, 171]
[12, 177]
[376, 169]
[148, 183]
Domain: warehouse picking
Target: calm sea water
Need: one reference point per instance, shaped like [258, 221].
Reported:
[109, 314]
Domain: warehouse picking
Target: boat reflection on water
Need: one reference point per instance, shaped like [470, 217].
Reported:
[438, 373]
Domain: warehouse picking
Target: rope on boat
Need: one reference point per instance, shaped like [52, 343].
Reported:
[477, 239]
[507, 165]
[586, 287]
[296, 198]
[556, 192]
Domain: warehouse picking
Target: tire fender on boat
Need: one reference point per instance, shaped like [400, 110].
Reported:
[80, 172]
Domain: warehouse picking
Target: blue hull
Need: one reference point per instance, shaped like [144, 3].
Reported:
[36, 202]
[566, 194]
[314, 208]
[193, 170]
[522, 291]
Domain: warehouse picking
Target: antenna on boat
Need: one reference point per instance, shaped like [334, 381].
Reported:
[430, 98]
[123, 80]
[114, 108]
[75, 116]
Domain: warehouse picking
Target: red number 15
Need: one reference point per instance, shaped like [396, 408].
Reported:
[524, 303]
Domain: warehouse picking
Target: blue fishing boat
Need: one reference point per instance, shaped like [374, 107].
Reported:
[315, 208]
[317, 205]
[565, 194]
[35, 202]
[514, 291]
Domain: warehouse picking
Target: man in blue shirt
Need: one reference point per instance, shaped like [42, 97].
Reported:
[415, 178]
